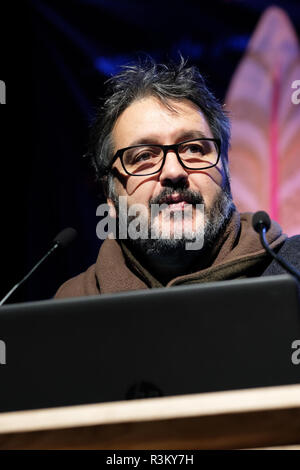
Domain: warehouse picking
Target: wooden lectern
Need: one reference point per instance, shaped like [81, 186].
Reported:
[250, 418]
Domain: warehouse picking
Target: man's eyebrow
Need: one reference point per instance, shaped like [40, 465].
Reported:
[186, 135]
[191, 135]
[146, 140]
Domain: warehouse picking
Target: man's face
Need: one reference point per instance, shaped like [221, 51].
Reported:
[149, 121]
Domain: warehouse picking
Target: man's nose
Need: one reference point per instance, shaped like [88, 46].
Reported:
[172, 169]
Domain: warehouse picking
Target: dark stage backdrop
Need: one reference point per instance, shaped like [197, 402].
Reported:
[55, 57]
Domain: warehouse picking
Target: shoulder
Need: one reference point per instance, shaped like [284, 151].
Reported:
[290, 252]
[291, 249]
[80, 285]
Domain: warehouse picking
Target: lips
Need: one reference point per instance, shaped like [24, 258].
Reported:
[175, 201]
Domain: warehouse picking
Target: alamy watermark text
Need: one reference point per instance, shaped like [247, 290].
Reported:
[296, 94]
[164, 221]
[2, 92]
[2, 352]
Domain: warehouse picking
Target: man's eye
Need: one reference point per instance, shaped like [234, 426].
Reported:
[194, 148]
[142, 157]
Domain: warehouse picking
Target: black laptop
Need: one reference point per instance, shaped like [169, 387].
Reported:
[159, 342]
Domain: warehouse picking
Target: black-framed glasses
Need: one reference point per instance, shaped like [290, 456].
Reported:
[148, 159]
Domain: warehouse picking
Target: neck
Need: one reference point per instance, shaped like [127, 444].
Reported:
[166, 266]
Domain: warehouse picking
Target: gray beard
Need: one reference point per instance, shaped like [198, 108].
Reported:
[216, 220]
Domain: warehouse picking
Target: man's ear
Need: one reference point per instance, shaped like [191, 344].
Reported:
[112, 209]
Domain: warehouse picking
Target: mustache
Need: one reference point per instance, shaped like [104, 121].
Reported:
[191, 197]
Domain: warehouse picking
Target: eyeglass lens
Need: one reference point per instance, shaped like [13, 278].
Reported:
[147, 159]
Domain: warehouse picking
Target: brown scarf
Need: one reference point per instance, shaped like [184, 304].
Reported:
[238, 255]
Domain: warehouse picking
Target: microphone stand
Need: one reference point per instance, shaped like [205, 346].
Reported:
[63, 239]
[30, 272]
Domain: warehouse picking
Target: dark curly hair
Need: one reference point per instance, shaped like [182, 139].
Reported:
[169, 81]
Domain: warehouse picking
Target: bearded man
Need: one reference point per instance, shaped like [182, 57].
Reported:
[161, 141]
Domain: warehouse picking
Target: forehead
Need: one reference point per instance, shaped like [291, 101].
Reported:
[151, 121]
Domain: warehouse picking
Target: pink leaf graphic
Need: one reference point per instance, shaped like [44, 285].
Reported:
[265, 151]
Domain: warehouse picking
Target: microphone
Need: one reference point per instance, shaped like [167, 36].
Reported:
[65, 237]
[261, 223]
[62, 240]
